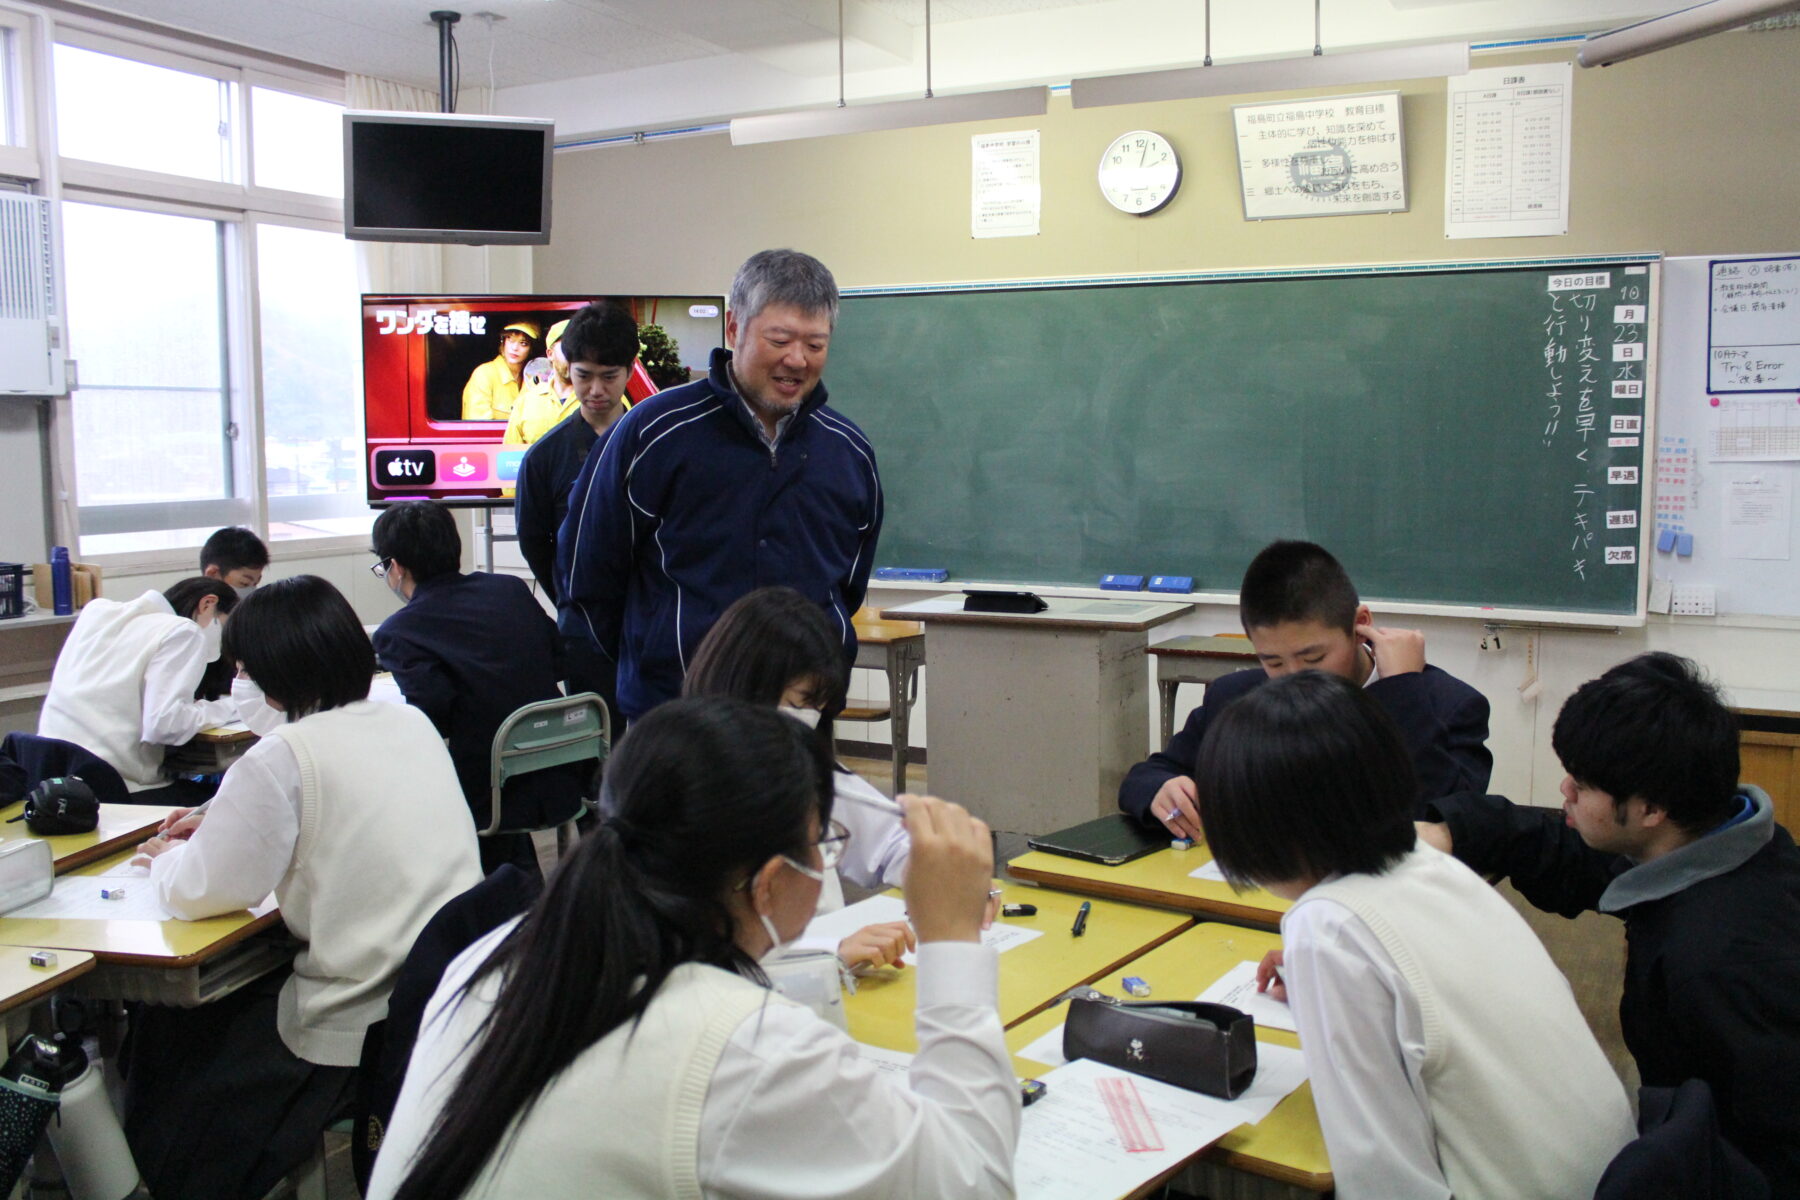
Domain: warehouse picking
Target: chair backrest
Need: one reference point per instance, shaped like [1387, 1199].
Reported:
[544, 734]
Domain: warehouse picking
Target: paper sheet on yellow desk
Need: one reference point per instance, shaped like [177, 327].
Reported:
[1070, 1150]
[879, 910]
[77, 898]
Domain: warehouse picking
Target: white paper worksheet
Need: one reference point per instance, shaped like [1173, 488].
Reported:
[1237, 987]
[879, 910]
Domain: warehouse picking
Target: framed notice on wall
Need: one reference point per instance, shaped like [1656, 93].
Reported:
[1325, 157]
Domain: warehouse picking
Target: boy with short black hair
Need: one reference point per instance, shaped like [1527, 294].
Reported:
[1301, 613]
[1656, 829]
[235, 555]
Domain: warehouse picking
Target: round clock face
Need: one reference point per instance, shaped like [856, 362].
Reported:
[1139, 172]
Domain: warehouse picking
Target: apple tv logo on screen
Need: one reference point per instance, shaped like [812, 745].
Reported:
[405, 468]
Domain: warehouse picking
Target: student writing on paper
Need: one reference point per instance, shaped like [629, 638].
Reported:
[349, 812]
[774, 647]
[1657, 830]
[1446, 1052]
[1302, 614]
[619, 1039]
[124, 684]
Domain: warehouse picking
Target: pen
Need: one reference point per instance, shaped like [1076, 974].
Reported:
[1081, 913]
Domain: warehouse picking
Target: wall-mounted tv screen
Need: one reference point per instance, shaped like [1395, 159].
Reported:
[442, 373]
[445, 177]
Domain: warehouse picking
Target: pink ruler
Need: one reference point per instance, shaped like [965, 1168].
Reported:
[1132, 1120]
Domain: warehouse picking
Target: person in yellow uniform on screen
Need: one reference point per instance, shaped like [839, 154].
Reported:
[493, 387]
[543, 402]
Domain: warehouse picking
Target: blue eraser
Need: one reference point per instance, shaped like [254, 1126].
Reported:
[1665, 540]
[1172, 583]
[1122, 583]
[1135, 986]
[1684, 545]
[919, 574]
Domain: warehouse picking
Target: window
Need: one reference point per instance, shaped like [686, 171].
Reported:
[174, 122]
[311, 371]
[147, 321]
[211, 298]
[298, 143]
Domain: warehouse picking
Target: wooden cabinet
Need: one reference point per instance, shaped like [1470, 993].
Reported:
[1769, 757]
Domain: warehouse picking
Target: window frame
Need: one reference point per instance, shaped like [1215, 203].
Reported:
[21, 38]
[240, 207]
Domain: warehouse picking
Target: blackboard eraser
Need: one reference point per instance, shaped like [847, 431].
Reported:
[1122, 583]
[1172, 583]
[915, 574]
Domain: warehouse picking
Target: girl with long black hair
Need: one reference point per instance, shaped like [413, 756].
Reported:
[619, 1040]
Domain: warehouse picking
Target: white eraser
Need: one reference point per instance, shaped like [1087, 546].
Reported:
[112, 893]
[43, 958]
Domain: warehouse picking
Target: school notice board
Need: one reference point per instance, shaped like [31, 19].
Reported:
[1460, 435]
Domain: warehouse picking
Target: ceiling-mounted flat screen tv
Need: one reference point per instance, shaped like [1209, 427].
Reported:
[446, 177]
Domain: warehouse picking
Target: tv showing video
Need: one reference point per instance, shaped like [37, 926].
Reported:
[443, 374]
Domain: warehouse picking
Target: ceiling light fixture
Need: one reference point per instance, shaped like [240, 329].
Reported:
[1672, 29]
[1273, 75]
[898, 114]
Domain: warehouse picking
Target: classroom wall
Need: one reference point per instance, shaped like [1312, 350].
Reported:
[1692, 150]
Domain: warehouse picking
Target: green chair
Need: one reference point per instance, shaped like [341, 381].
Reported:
[549, 733]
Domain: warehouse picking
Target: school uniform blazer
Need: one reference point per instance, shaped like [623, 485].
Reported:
[468, 650]
[1442, 720]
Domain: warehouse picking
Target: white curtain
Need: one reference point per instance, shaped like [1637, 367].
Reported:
[396, 267]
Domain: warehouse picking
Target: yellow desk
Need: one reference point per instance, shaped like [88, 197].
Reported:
[21, 983]
[1032, 974]
[1286, 1145]
[121, 826]
[1159, 878]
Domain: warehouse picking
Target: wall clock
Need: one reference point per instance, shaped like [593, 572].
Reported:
[1139, 172]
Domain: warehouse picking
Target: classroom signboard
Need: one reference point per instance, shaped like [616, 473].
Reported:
[1467, 436]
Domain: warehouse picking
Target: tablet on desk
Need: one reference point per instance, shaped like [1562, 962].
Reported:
[1111, 840]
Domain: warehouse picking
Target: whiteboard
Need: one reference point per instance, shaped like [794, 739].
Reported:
[1766, 587]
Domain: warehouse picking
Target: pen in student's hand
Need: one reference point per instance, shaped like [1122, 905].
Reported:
[1080, 925]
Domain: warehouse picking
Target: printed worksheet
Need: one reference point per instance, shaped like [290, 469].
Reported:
[880, 910]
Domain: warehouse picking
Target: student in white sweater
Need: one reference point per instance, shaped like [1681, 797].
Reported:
[774, 646]
[350, 815]
[123, 687]
[1446, 1052]
[618, 1041]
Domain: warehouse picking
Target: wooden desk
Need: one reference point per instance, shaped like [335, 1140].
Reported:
[144, 943]
[1032, 974]
[1195, 660]
[1769, 747]
[1159, 878]
[209, 752]
[896, 648]
[22, 984]
[1286, 1145]
[121, 826]
[1037, 717]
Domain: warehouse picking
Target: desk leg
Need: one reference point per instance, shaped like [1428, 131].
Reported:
[1167, 688]
[897, 714]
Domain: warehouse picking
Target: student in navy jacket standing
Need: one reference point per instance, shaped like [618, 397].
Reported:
[1301, 613]
[744, 479]
[469, 650]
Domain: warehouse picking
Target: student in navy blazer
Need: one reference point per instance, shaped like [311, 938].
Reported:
[469, 650]
[1301, 613]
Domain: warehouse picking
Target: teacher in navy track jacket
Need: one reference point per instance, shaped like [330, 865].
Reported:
[744, 479]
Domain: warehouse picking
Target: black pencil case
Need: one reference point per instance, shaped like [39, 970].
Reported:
[1208, 1048]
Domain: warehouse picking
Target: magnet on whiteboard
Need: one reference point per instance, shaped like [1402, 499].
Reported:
[1684, 545]
[1665, 540]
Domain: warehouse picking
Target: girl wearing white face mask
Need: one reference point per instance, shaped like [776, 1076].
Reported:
[774, 646]
[124, 683]
[632, 988]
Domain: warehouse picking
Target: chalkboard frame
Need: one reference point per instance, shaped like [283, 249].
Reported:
[1499, 614]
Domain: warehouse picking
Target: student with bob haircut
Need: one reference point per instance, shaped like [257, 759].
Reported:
[1656, 829]
[632, 987]
[1446, 1052]
[1301, 613]
[774, 647]
[349, 813]
[125, 683]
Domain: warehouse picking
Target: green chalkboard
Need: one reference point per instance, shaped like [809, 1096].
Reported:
[1448, 433]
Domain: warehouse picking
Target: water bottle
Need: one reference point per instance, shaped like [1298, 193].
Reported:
[62, 585]
[28, 1093]
[89, 1144]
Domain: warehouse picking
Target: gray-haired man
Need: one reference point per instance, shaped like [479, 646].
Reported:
[741, 480]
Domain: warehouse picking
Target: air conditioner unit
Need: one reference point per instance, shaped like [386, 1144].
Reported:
[31, 332]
